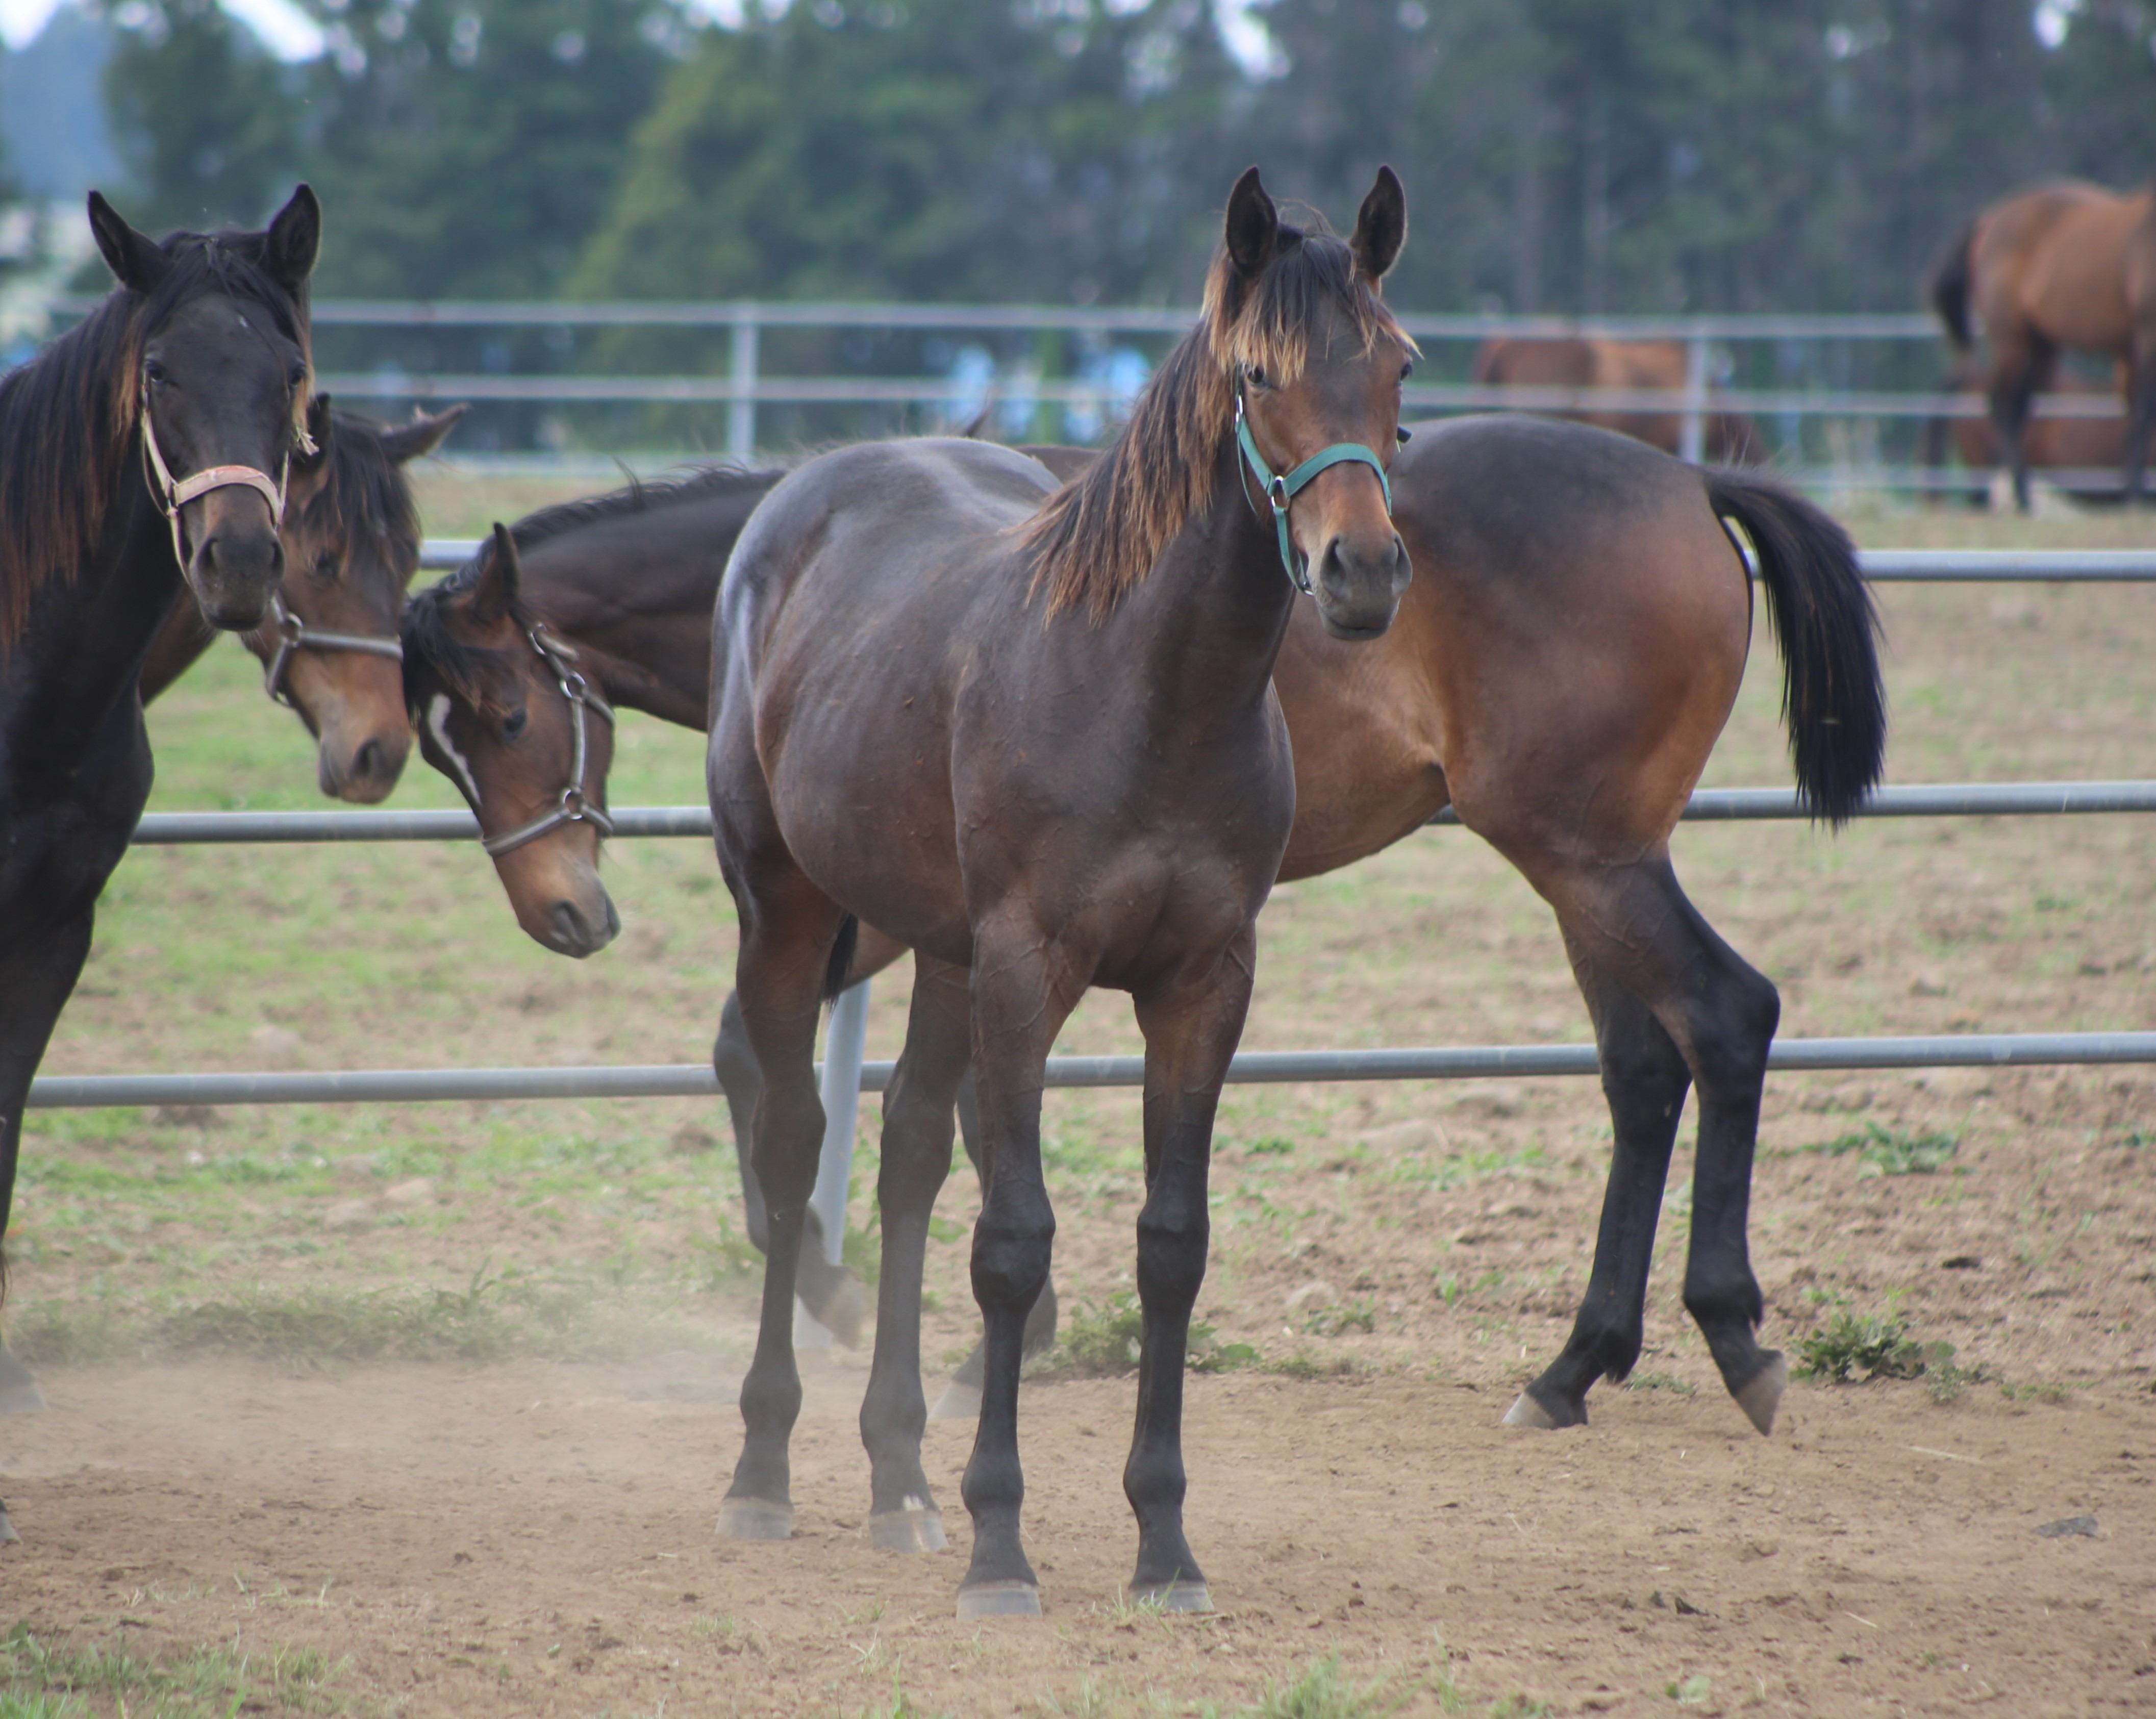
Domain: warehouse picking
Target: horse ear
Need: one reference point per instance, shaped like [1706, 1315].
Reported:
[1381, 229]
[134, 258]
[423, 435]
[319, 429]
[1253, 225]
[294, 240]
[495, 593]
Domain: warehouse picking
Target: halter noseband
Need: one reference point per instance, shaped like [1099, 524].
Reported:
[172, 493]
[1281, 491]
[295, 635]
[584, 704]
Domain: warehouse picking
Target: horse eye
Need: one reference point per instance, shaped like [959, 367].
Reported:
[1407, 370]
[512, 725]
[298, 373]
[154, 371]
[325, 565]
[1257, 379]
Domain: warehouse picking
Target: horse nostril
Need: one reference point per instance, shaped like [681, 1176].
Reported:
[367, 761]
[568, 926]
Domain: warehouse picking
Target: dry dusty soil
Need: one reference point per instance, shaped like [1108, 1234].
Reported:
[242, 1453]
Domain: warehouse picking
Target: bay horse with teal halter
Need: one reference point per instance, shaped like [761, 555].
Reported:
[1032, 735]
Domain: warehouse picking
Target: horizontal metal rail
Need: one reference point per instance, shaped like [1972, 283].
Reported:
[1707, 805]
[394, 384]
[1881, 566]
[1102, 319]
[1250, 1068]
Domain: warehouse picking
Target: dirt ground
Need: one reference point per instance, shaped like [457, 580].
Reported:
[533, 1534]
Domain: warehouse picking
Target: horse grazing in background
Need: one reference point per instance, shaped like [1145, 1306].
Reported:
[2060, 265]
[2067, 445]
[1645, 365]
[1032, 735]
[143, 459]
[329, 649]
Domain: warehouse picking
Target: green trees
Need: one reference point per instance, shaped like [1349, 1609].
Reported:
[940, 149]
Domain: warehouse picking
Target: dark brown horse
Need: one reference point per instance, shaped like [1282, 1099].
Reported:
[2061, 265]
[1039, 745]
[329, 649]
[143, 457]
[1641, 365]
[1559, 670]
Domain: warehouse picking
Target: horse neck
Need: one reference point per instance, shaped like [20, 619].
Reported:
[1207, 621]
[81, 658]
[642, 621]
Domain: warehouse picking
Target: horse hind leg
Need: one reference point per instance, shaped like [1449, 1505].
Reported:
[1634, 925]
[786, 942]
[917, 1157]
[1644, 1080]
[2018, 369]
[2140, 416]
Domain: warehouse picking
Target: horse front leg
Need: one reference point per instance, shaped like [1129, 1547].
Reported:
[1191, 1033]
[1022, 993]
[787, 929]
[916, 1158]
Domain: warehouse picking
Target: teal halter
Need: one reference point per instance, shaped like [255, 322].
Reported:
[1280, 491]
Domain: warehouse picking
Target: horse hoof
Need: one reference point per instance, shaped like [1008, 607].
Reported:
[1000, 1599]
[842, 1310]
[957, 1402]
[1528, 1412]
[18, 1390]
[907, 1530]
[1761, 1397]
[8, 1537]
[754, 1519]
[1174, 1596]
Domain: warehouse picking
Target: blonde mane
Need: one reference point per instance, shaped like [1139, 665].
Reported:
[1099, 535]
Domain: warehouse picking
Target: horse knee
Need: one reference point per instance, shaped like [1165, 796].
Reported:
[1733, 1034]
[1012, 1242]
[1172, 1247]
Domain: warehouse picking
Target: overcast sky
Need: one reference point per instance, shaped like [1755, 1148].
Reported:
[285, 30]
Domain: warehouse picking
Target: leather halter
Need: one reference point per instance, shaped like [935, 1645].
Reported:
[172, 494]
[584, 704]
[1281, 490]
[295, 635]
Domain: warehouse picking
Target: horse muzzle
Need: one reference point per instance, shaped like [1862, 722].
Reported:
[1358, 585]
[235, 557]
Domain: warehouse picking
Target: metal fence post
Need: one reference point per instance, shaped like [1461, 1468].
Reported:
[741, 413]
[1692, 441]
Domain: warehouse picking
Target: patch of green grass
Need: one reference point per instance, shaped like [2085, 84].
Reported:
[1324, 1691]
[1661, 1382]
[1850, 1346]
[1693, 1691]
[1304, 1365]
[899, 1706]
[1360, 1313]
[1103, 1337]
[491, 1317]
[1892, 1151]
[43, 1677]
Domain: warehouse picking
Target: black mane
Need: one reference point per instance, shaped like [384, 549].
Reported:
[366, 491]
[468, 671]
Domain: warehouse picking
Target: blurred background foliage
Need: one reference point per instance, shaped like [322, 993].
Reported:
[1560, 155]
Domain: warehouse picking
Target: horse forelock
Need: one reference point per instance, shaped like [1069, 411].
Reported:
[1097, 537]
[472, 673]
[68, 416]
[366, 495]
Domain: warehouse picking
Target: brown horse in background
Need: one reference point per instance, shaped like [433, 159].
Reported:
[330, 648]
[1655, 364]
[2062, 265]
[2067, 445]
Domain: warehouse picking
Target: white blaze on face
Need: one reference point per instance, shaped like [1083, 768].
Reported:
[438, 725]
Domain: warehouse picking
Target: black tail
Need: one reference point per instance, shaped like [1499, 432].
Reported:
[1949, 291]
[1831, 696]
[838, 971]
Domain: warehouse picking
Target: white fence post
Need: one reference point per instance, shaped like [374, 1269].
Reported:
[740, 412]
[843, 1042]
[1691, 442]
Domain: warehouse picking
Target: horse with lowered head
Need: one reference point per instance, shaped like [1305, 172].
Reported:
[144, 457]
